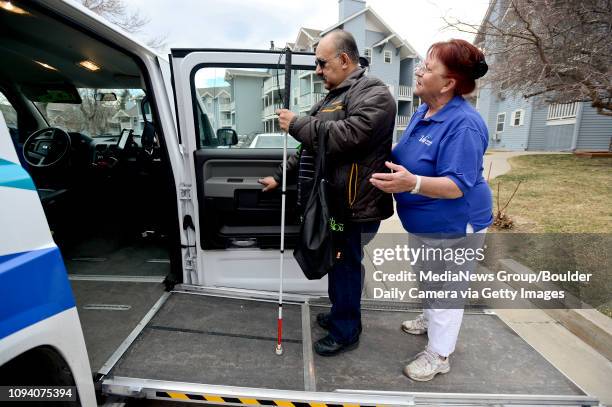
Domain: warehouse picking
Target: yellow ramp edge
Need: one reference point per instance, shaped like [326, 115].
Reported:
[249, 401]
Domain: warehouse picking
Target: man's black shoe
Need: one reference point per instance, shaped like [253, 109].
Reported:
[327, 346]
[323, 320]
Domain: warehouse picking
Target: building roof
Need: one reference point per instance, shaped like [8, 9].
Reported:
[313, 32]
[116, 116]
[406, 50]
[213, 91]
[481, 30]
[306, 38]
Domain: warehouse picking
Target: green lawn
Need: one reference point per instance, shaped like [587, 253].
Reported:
[559, 193]
[568, 200]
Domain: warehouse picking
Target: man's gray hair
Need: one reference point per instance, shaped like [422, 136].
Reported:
[345, 43]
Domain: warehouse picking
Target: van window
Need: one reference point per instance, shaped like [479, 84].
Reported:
[246, 100]
[9, 113]
[10, 117]
[95, 117]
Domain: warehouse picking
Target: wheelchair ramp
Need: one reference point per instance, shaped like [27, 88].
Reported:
[489, 358]
[220, 341]
[109, 311]
[203, 346]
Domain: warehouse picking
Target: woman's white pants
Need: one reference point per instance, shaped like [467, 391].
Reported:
[444, 324]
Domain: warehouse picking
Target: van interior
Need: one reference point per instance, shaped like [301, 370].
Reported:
[84, 125]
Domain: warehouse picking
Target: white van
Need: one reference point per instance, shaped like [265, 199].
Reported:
[137, 249]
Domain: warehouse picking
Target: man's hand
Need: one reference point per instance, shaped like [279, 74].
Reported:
[269, 183]
[284, 118]
[401, 180]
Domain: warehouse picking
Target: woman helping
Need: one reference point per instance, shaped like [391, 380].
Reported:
[438, 184]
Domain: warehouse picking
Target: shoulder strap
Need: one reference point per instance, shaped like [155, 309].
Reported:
[322, 153]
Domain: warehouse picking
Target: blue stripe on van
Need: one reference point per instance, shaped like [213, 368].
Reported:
[33, 286]
[13, 175]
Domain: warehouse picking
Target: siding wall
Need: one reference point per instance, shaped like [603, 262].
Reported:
[513, 137]
[537, 128]
[546, 137]
[247, 96]
[558, 138]
[371, 38]
[357, 27]
[595, 130]
[388, 73]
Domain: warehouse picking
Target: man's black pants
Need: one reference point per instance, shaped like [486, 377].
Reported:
[346, 283]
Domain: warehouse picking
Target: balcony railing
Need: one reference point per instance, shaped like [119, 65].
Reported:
[270, 110]
[559, 111]
[309, 99]
[402, 121]
[404, 92]
[225, 123]
[225, 107]
[272, 83]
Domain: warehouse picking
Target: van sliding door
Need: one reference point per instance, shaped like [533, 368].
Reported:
[236, 226]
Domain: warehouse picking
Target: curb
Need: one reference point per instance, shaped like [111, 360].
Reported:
[588, 324]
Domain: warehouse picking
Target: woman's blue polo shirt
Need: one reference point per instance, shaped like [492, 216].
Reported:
[451, 143]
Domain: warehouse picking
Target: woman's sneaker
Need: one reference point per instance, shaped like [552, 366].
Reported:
[417, 326]
[426, 366]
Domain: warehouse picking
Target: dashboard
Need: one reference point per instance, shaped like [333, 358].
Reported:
[106, 150]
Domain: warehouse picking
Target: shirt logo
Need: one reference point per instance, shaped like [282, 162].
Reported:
[425, 139]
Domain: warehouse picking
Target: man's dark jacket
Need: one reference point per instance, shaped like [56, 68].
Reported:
[358, 117]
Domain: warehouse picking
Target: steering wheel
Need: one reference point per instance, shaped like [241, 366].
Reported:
[46, 147]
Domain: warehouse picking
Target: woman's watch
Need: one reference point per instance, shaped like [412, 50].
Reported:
[417, 186]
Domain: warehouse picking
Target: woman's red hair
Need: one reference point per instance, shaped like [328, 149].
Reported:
[461, 60]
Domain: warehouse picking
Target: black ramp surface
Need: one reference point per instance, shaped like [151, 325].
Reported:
[215, 340]
[489, 358]
[105, 329]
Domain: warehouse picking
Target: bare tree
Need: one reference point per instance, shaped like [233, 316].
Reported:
[560, 49]
[132, 21]
[90, 116]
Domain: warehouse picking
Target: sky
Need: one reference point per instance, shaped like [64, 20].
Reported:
[254, 23]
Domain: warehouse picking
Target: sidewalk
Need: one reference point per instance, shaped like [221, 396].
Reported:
[499, 161]
[568, 353]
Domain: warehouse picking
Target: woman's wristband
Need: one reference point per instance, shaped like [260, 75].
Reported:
[417, 186]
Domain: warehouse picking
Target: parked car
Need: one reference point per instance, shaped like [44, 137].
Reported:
[273, 140]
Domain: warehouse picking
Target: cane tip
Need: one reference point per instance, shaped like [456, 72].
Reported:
[279, 349]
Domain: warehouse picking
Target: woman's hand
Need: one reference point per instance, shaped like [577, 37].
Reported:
[401, 180]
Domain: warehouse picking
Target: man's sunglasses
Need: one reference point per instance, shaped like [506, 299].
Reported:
[321, 62]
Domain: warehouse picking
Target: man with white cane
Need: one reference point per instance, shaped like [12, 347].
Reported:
[357, 119]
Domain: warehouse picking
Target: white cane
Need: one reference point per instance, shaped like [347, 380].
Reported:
[279, 345]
